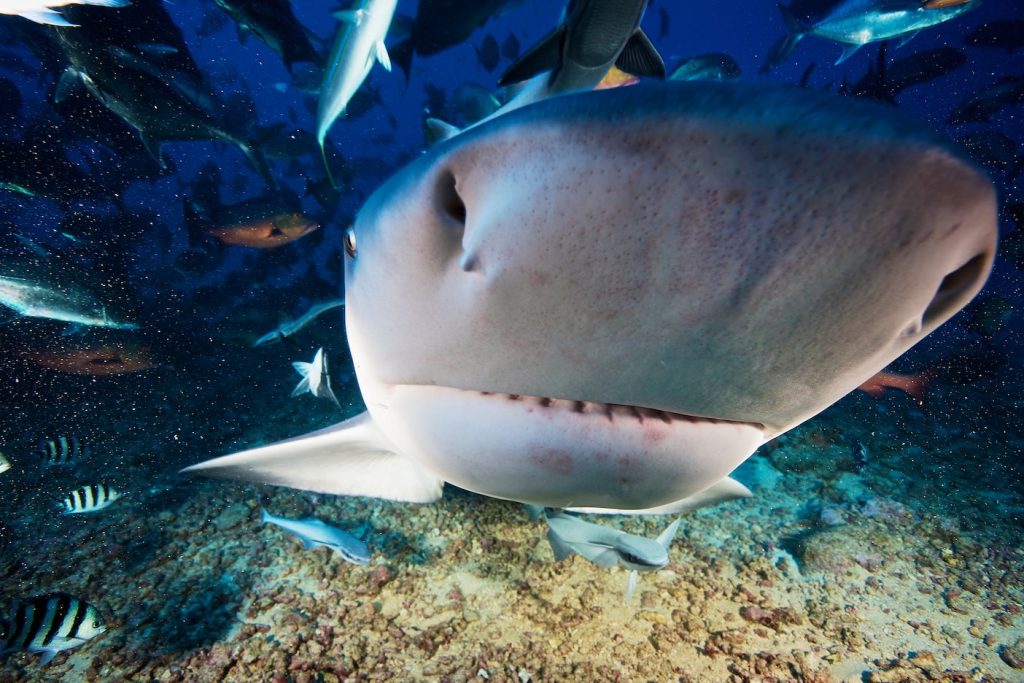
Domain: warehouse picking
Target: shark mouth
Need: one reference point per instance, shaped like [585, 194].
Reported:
[561, 452]
[613, 411]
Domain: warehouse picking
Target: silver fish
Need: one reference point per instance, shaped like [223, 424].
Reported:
[65, 303]
[290, 327]
[42, 12]
[315, 378]
[314, 532]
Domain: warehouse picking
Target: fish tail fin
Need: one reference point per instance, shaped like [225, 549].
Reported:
[255, 156]
[264, 515]
[785, 45]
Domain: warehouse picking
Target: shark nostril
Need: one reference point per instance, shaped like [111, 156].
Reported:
[956, 289]
[450, 201]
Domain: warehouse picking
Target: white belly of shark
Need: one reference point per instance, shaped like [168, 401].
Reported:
[609, 300]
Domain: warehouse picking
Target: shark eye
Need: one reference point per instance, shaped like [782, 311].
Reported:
[350, 242]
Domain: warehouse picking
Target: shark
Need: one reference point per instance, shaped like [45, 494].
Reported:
[609, 300]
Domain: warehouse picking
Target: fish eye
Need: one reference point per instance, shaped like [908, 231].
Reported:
[350, 242]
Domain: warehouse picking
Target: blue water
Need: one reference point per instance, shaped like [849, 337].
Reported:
[878, 504]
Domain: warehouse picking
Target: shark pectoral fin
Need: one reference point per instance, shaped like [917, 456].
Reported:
[724, 490]
[381, 52]
[544, 56]
[560, 548]
[640, 57]
[68, 84]
[848, 51]
[352, 458]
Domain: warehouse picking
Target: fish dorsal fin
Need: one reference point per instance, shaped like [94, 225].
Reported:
[640, 57]
[664, 539]
[351, 458]
[544, 56]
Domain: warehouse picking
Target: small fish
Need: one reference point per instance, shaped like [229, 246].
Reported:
[714, 66]
[314, 533]
[42, 12]
[89, 499]
[101, 360]
[289, 328]
[1007, 34]
[50, 624]
[488, 53]
[16, 188]
[855, 23]
[64, 302]
[62, 451]
[915, 386]
[983, 104]
[315, 378]
[861, 455]
[5, 464]
[608, 547]
[359, 45]
[616, 78]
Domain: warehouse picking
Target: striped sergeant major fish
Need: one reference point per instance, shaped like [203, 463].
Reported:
[62, 451]
[89, 499]
[49, 624]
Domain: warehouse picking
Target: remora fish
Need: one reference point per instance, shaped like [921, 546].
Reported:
[87, 499]
[472, 287]
[359, 45]
[608, 547]
[289, 328]
[64, 302]
[855, 23]
[315, 378]
[314, 532]
[273, 22]
[42, 12]
[50, 624]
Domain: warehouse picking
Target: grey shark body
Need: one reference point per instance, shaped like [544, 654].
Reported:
[611, 299]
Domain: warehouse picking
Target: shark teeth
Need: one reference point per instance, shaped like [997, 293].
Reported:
[611, 411]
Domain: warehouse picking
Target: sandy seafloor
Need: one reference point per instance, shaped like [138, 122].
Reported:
[907, 569]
